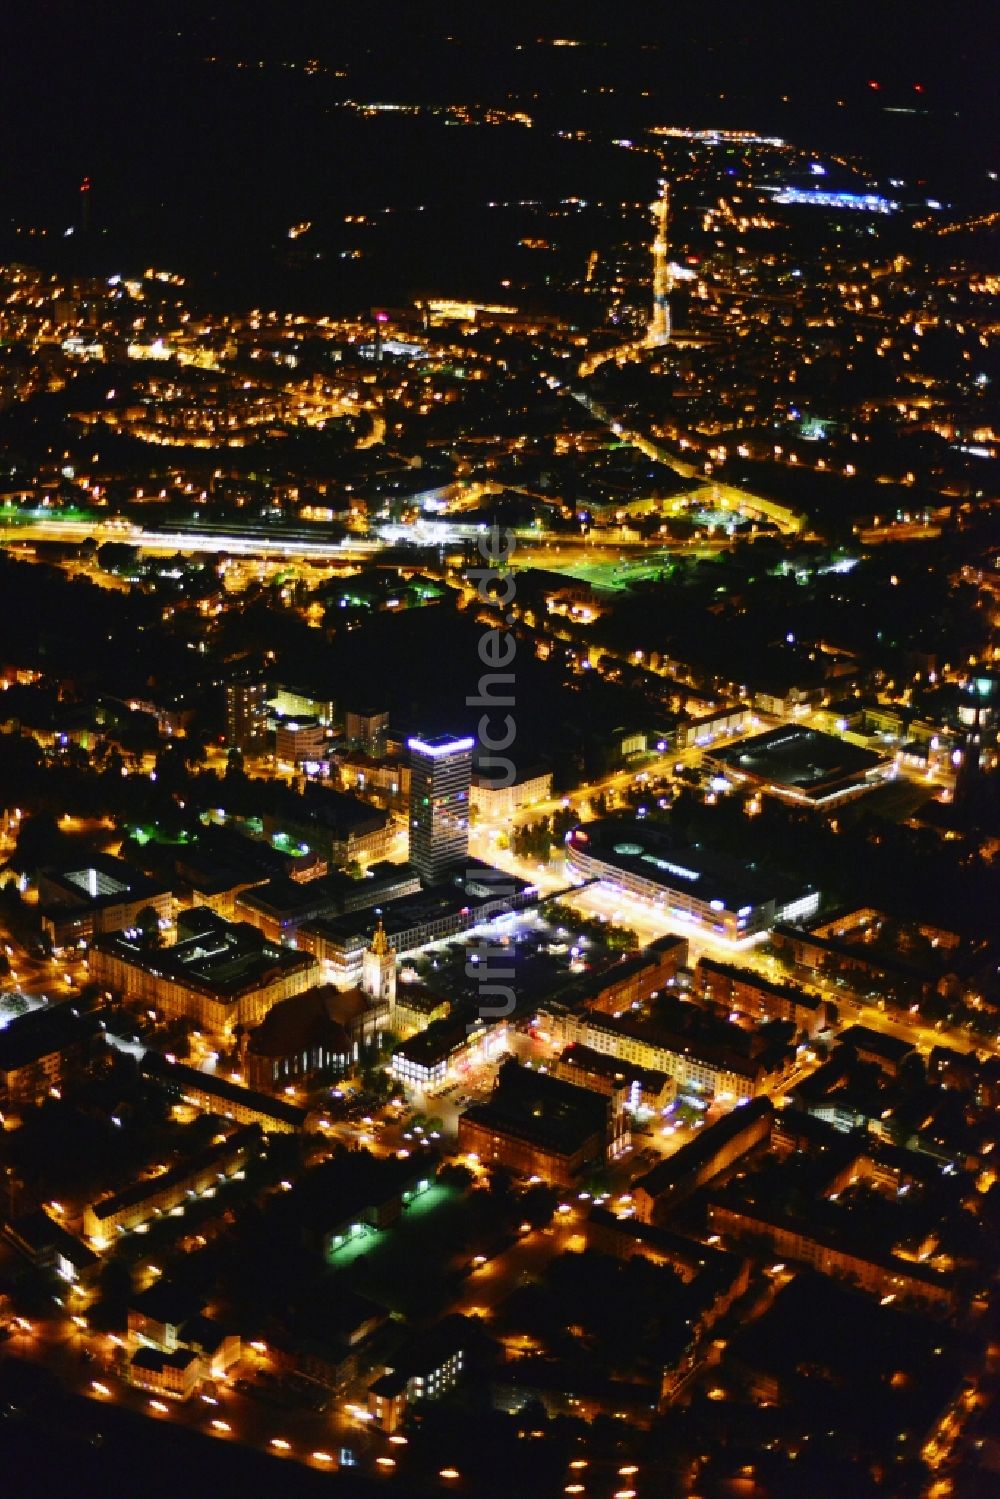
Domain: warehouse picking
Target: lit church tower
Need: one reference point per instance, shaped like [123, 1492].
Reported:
[378, 969]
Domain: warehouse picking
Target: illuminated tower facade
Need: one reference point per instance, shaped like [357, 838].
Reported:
[378, 969]
[659, 323]
[246, 716]
[440, 777]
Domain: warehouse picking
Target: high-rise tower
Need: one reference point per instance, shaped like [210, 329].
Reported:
[246, 715]
[440, 776]
[659, 322]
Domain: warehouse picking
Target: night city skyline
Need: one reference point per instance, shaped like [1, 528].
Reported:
[499, 774]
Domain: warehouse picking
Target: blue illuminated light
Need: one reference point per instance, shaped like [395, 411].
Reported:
[441, 747]
[824, 198]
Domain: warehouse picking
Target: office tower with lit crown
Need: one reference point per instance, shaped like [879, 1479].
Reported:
[441, 773]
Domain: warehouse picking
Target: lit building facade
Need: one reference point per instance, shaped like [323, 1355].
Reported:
[741, 990]
[153, 1197]
[708, 890]
[696, 1066]
[43, 1050]
[878, 1274]
[367, 730]
[495, 803]
[430, 1367]
[437, 1055]
[226, 976]
[441, 775]
[299, 741]
[246, 716]
[102, 895]
[539, 1125]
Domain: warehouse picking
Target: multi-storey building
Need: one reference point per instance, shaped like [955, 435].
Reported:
[384, 781]
[41, 1051]
[539, 1125]
[220, 976]
[696, 1064]
[440, 777]
[279, 907]
[881, 1274]
[427, 1369]
[601, 1073]
[367, 730]
[246, 716]
[299, 741]
[214, 1094]
[172, 1347]
[99, 895]
[702, 1159]
[342, 829]
[444, 1050]
[712, 891]
[632, 980]
[739, 989]
[152, 1197]
[498, 803]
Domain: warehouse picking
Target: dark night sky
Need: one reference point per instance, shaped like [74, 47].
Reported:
[199, 163]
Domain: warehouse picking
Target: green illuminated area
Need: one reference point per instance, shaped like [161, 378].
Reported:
[407, 1267]
[11, 514]
[152, 833]
[286, 845]
[614, 573]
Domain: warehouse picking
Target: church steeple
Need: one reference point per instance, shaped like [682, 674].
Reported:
[378, 968]
[380, 944]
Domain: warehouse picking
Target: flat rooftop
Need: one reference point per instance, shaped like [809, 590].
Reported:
[702, 1150]
[178, 1077]
[225, 961]
[95, 881]
[548, 1112]
[483, 886]
[863, 1038]
[42, 1032]
[286, 899]
[177, 1174]
[336, 812]
[654, 852]
[799, 759]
